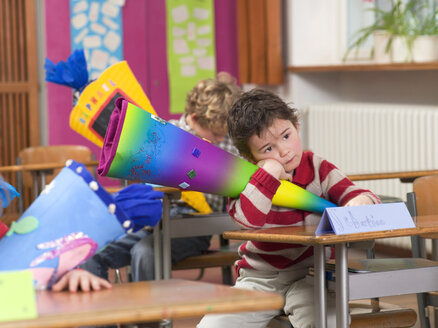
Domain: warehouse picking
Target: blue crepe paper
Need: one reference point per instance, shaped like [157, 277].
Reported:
[7, 193]
[141, 204]
[72, 73]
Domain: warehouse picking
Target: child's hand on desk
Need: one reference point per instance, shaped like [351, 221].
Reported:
[80, 278]
[360, 200]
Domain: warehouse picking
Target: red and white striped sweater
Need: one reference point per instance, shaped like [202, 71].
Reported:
[254, 209]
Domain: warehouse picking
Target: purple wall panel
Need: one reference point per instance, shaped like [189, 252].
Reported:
[59, 98]
[144, 47]
[226, 36]
[158, 91]
[135, 47]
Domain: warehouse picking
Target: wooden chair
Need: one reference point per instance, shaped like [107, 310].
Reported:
[364, 316]
[220, 254]
[35, 181]
[223, 257]
[424, 201]
[202, 225]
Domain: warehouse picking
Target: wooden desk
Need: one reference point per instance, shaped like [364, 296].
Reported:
[306, 235]
[216, 224]
[407, 176]
[39, 167]
[39, 172]
[143, 301]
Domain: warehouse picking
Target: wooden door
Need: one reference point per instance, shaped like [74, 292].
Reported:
[19, 112]
[259, 27]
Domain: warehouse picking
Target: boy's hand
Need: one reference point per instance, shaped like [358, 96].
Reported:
[275, 169]
[74, 279]
[360, 200]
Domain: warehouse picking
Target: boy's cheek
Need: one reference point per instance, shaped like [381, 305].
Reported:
[250, 159]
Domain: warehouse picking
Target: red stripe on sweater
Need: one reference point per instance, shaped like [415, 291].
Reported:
[286, 218]
[325, 169]
[272, 247]
[252, 214]
[281, 262]
[242, 263]
[351, 195]
[232, 212]
[338, 189]
[265, 183]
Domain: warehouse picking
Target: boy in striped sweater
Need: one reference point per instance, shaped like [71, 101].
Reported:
[265, 131]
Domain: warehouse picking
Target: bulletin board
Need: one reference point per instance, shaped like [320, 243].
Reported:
[190, 47]
[96, 27]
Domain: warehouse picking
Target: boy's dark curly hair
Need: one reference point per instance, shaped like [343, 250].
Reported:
[253, 112]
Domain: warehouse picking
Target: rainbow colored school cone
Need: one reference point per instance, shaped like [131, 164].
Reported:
[140, 146]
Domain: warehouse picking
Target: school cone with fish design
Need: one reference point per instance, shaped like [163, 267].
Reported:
[140, 146]
[71, 220]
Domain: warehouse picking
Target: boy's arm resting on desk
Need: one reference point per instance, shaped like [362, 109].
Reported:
[250, 210]
[338, 188]
[79, 278]
[315, 174]
[360, 200]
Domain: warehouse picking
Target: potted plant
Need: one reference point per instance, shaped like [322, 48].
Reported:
[393, 32]
[425, 45]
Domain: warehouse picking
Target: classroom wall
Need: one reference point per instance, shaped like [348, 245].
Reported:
[313, 37]
[144, 49]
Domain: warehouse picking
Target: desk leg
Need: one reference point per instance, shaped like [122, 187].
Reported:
[36, 187]
[43, 181]
[167, 256]
[319, 290]
[342, 286]
[158, 252]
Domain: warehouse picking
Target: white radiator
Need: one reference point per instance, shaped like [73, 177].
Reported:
[371, 138]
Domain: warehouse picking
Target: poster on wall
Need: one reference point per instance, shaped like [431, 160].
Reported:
[190, 47]
[96, 27]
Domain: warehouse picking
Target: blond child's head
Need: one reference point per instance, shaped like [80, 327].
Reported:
[208, 104]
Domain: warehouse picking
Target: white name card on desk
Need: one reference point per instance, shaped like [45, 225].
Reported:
[365, 218]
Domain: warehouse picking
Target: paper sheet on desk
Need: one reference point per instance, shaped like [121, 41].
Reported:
[17, 296]
[365, 218]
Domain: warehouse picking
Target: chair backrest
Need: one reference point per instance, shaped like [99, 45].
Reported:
[51, 154]
[424, 201]
[27, 185]
[426, 194]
